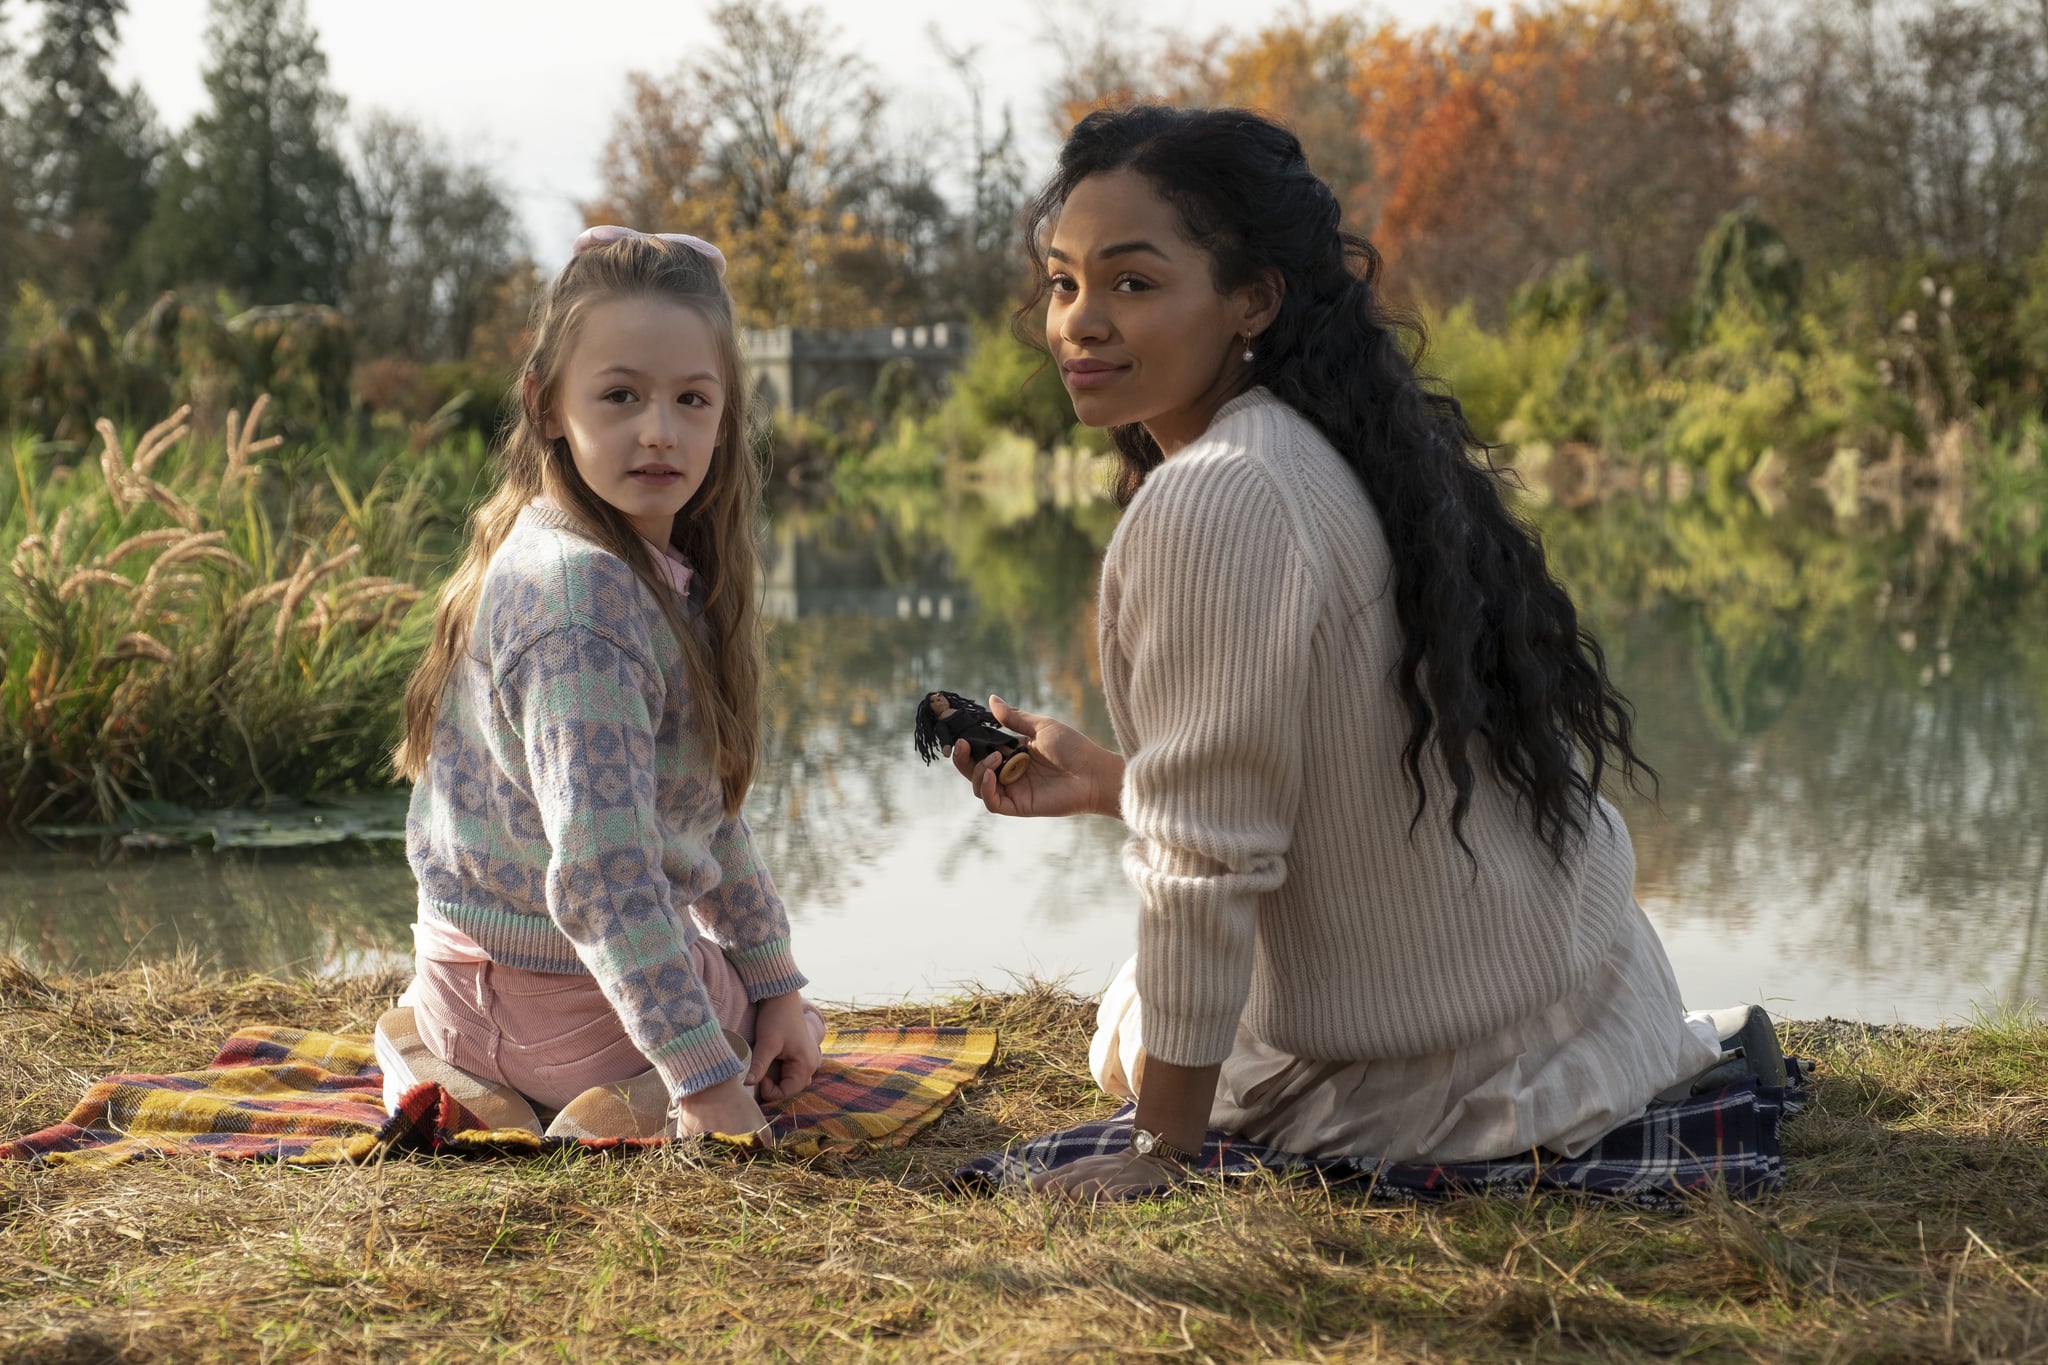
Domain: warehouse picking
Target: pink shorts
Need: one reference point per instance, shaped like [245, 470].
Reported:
[547, 1035]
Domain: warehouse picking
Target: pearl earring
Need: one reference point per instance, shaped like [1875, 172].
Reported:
[1247, 348]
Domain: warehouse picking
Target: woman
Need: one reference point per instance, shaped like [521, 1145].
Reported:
[1384, 909]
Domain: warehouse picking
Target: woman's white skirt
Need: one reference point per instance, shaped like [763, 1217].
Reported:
[1558, 1080]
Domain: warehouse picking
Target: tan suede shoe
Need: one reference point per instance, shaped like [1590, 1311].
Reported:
[403, 1055]
[636, 1108]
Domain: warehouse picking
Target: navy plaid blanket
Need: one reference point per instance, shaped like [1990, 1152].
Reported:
[1726, 1140]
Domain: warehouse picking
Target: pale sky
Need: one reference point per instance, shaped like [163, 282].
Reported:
[532, 86]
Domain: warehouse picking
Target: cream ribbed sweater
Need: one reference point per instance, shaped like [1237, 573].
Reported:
[1249, 641]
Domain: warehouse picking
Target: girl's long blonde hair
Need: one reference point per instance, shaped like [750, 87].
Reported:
[722, 650]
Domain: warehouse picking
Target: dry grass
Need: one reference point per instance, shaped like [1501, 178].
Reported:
[1915, 1228]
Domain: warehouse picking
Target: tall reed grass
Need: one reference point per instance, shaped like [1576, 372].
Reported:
[205, 622]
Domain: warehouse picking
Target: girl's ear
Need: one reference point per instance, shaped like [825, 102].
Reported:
[529, 391]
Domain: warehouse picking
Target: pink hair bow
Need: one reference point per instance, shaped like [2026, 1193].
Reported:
[594, 237]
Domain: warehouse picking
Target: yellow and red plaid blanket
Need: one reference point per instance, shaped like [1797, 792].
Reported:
[313, 1099]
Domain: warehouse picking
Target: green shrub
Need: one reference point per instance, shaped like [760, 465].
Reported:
[1761, 371]
[2030, 333]
[1004, 386]
[185, 346]
[302, 353]
[72, 370]
[1746, 266]
[1488, 372]
[1756, 384]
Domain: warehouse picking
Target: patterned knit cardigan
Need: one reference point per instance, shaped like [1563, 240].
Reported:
[569, 819]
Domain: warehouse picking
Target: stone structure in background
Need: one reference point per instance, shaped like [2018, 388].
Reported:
[802, 577]
[795, 367]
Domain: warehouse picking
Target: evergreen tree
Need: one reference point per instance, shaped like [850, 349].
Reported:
[6, 59]
[88, 151]
[12, 232]
[258, 197]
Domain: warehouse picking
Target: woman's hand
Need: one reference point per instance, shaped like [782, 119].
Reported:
[1113, 1175]
[1069, 774]
[1174, 1104]
[723, 1108]
[785, 1047]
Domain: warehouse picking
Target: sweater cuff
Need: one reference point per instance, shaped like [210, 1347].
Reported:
[767, 969]
[696, 1060]
[1187, 1040]
[1194, 974]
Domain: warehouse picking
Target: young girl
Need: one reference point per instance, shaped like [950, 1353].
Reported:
[1384, 910]
[596, 935]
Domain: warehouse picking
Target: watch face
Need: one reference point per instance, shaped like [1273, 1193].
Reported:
[1143, 1142]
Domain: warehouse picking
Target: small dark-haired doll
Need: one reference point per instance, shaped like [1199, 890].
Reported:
[945, 718]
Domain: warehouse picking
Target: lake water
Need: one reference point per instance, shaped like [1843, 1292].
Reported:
[1851, 722]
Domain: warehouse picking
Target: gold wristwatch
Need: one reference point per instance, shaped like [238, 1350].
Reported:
[1147, 1143]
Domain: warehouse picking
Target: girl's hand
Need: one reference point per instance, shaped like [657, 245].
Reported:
[785, 1047]
[1069, 774]
[723, 1108]
[1113, 1175]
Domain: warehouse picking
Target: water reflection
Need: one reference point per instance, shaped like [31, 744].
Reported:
[1849, 721]
[899, 884]
[335, 908]
[1851, 728]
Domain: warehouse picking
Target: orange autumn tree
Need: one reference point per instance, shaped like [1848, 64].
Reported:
[1296, 70]
[1299, 72]
[1478, 157]
[760, 143]
[1602, 127]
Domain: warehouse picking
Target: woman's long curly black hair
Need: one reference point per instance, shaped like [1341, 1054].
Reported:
[1494, 650]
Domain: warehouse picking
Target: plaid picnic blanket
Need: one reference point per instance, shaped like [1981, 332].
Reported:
[313, 1099]
[1727, 1139]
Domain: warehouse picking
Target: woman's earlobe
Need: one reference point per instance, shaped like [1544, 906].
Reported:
[1272, 292]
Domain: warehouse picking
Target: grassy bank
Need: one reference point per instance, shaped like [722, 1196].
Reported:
[1912, 1229]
